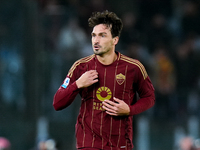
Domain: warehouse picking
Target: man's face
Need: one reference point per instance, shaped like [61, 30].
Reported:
[102, 41]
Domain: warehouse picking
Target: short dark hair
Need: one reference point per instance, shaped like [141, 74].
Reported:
[108, 18]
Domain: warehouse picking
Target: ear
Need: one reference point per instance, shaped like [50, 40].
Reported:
[115, 40]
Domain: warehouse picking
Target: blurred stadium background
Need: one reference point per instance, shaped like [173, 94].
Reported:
[40, 39]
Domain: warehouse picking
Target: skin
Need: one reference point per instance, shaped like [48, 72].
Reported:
[104, 47]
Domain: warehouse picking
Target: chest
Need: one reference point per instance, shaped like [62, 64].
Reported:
[114, 79]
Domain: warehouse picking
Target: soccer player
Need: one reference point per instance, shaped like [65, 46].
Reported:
[107, 82]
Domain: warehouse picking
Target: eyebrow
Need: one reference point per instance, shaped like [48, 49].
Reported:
[99, 33]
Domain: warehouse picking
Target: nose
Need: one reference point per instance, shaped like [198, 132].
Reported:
[95, 39]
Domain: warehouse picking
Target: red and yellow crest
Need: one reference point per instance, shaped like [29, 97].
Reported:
[120, 78]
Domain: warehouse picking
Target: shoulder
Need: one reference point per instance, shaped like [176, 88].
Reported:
[84, 60]
[134, 63]
[81, 62]
[130, 61]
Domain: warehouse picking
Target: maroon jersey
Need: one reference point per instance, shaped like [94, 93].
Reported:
[121, 79]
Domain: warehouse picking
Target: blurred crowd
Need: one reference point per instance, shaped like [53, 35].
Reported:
[49, 144]
[5, 144]
[188, 143]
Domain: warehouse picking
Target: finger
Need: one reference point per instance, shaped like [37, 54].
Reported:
[117, 100]
[93, 72]
[107, 105]
[112, 114]
[109, 110]
[110, 102]
[93, 75]
[95, 80]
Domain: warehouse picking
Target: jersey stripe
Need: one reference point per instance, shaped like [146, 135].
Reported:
[137, 63]
[83, 125]
[115, 82]
[93, 138]
[102, 116]
[111, 119]
[120, 124]
[78, 62]
[101, 130]
[125, 82]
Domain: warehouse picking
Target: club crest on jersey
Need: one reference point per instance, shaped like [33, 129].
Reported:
[66, 82]
[120, 78]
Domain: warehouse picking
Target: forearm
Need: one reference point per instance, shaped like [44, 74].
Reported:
[64, 97]
[142, 105]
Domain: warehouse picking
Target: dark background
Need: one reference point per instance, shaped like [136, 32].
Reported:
[40, 40]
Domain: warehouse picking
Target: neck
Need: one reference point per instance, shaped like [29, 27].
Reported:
[107, 59]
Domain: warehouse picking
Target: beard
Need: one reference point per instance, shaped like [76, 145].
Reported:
[98, 53]
[101, 52]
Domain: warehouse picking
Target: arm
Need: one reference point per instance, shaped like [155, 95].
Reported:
[65, 96]
[147, 98]
[69, 89]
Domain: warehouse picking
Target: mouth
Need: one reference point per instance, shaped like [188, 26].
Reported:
[96, 47]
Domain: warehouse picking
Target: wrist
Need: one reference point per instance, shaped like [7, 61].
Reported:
[78, 84]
